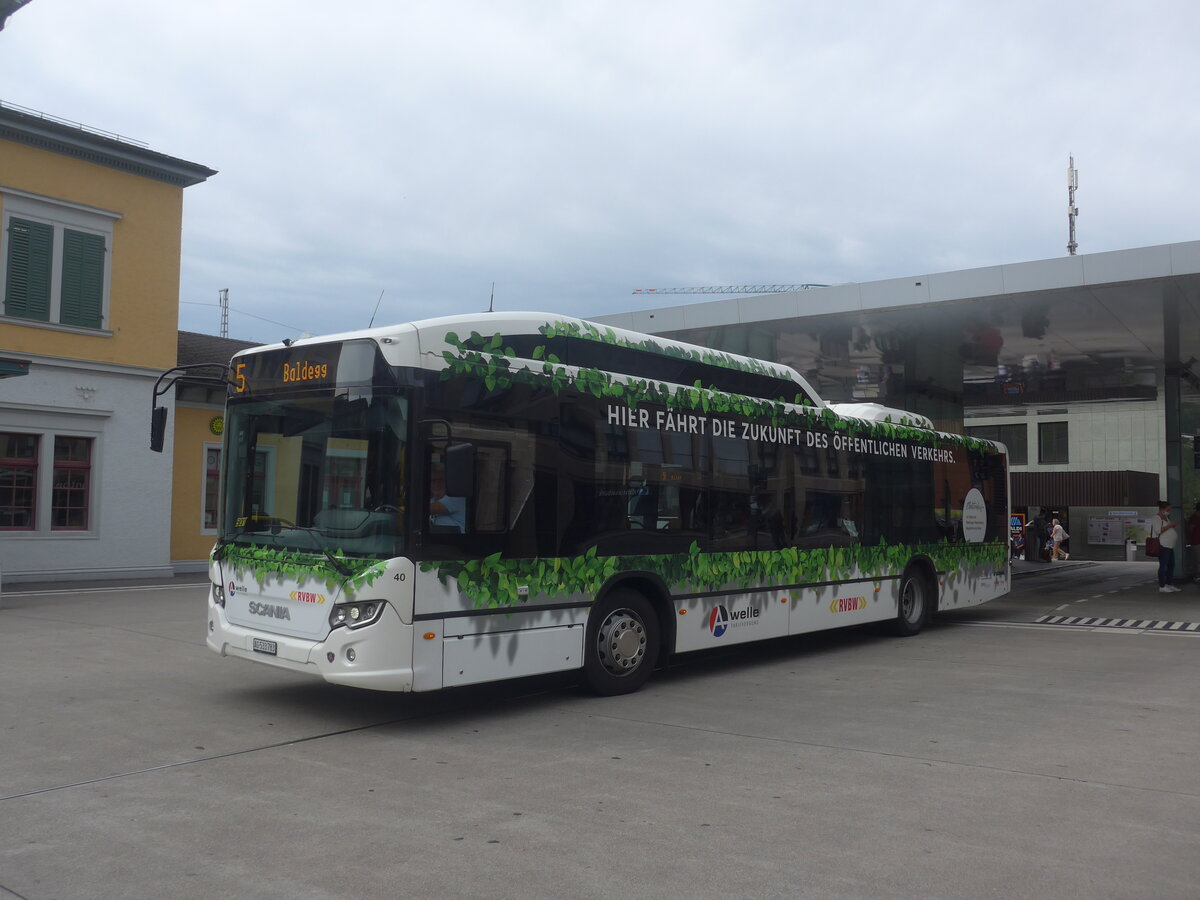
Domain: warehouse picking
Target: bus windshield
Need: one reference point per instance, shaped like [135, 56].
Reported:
[317, 473]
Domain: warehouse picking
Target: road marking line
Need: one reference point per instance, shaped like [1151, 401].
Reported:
[106, 590]
[1127, 624]
[1191, 629]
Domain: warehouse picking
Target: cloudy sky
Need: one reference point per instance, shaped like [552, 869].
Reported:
[573, 151]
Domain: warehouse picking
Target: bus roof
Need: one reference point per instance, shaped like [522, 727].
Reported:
[431, 333]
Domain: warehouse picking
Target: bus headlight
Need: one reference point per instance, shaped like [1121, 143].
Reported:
[355, 615]
[218, 595]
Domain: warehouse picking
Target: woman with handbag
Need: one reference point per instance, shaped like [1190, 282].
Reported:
[1058, 534]
[1166, 533]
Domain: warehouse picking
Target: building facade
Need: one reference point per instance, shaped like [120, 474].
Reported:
[1087, 367]
[90, 234]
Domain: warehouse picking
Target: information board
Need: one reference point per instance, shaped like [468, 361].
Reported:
[1117, 529]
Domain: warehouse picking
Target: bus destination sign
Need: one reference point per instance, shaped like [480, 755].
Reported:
[291, 368]
[305, 371]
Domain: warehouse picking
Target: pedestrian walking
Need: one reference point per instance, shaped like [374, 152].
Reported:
[1058, 534]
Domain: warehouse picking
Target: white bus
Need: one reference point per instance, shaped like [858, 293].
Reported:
[472, 498]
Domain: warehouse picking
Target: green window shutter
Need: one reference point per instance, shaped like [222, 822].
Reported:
[82, 279]
[27, 287]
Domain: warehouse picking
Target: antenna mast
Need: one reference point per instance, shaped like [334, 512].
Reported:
[377, 302]
[1072, 209]
[224, 295]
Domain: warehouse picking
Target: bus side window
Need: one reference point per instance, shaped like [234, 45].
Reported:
[486, 510]
[729, 495]
[490, 511]
[448, 513]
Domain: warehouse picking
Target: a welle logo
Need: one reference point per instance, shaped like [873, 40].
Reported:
[720, 620]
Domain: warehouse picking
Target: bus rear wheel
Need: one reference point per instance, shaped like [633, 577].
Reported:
[914, 604]
[622, 643]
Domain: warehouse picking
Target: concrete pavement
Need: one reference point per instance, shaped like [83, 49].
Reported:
[989, 756]
[1137, 599]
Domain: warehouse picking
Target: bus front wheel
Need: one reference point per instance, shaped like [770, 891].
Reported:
[914, 604]
[622, 643]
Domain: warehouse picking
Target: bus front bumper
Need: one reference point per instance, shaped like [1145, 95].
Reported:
[377, 657]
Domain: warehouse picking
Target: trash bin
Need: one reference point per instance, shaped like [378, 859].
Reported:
[1130, 551]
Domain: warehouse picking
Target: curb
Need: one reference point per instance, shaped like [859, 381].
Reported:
[1049, 568]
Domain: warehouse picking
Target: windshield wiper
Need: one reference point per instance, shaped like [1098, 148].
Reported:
[344, 569]
[277, 523]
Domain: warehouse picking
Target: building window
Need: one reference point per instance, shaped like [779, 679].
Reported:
[70, 499]
[212, 485]
[45, 482]
[1052, 443]
[54, 259]
[1014, 437]
[18, 481]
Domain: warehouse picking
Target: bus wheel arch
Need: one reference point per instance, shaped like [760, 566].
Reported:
[624, 639]
[917, 599]
[655, 590]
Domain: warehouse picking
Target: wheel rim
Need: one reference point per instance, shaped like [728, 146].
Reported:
[621, 642]
[911, 600]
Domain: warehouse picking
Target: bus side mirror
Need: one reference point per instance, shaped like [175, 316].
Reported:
[158, 428]
[460, 470]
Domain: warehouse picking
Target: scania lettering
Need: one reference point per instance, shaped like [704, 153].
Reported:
[471, 498]
[271, 610]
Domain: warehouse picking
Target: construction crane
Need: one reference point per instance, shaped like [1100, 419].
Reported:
[733, 289]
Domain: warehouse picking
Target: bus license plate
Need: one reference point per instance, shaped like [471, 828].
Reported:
[262, 646]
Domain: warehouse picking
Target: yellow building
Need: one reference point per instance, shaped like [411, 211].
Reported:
[90, 232]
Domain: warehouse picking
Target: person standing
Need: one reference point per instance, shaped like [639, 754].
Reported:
[1167, 533]
[1058, 534]
[1036, 540]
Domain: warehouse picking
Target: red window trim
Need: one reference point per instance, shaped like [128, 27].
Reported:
[86, 490]
[16, 462]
